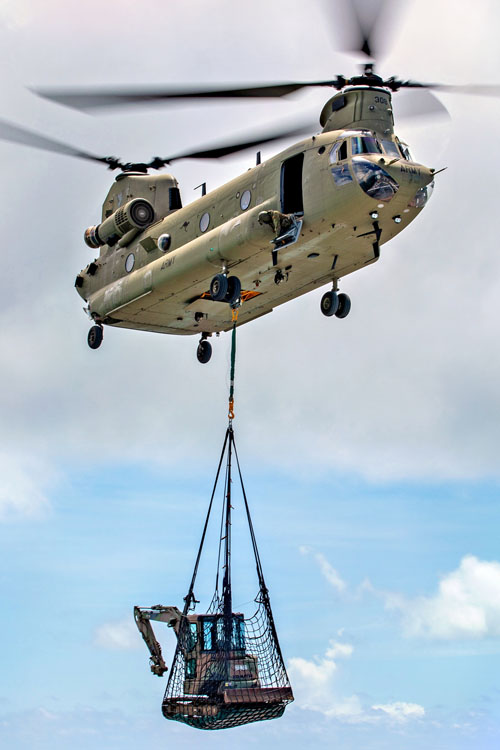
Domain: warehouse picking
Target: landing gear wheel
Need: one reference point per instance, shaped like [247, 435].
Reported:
[344, 307]
[329, 304]
[94, 338]
[218, 287]
[233, 290]
[204, 351]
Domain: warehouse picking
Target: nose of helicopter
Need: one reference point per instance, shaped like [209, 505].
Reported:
[401, 183]
[415, 182]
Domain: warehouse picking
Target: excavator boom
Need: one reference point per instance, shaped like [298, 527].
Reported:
[143, 616]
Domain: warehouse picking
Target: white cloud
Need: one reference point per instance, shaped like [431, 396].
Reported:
[466, 605]
[314, 688]
[119, 635]
[339, 649]
[401, 711]
[328, 572]
[22, 485]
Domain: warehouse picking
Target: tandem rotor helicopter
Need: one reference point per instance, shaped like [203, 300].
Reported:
[307, 217]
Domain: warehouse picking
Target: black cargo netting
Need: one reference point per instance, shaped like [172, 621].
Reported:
[227, 669]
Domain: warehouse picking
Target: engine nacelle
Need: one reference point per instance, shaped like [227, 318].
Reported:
[137, 214]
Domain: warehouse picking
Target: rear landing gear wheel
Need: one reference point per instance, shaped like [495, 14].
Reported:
[329, 303]
[233, 290]
[204, 351]
[94, 338]
[218, 287]
[344, 307]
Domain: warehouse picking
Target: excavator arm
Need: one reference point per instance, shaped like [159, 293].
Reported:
[143, 616]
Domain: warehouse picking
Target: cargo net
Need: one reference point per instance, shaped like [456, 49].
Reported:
[227, 670]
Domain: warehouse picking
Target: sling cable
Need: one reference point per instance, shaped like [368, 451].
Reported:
[227, 668]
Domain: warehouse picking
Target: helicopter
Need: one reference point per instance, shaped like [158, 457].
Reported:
[307, 217]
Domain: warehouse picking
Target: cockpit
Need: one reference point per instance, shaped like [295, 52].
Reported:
[371, 176]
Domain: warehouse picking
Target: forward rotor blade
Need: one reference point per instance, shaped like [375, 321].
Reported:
[17, 134]
[226, 149]
[106, 98]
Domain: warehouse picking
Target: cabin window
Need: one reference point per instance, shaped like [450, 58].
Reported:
[365, 145]
[208, 640]
[192, 636]
[213, 633]
[205, 222]
[238, 635]
[190, 668]
[164, 242]
[130, 262]
[391, 149]
[245, 200]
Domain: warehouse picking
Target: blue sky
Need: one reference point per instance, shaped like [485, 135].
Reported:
[369, 446]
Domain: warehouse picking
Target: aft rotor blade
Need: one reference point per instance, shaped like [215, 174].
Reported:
[418, 103]
[226, 149]
[88, 99]
[17, 134]
[471, 88]
[363, 26]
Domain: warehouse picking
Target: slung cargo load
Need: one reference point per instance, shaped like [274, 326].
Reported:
[227, 668]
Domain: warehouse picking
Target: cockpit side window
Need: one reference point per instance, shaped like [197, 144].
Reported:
[343, 151]
[391, 149]
[405, 151]
[334, 153]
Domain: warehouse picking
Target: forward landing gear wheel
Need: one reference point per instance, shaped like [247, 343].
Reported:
[94, 338]
[204, 351]
[344, 307]
[329, 303]
[218, 287]
[233, 290]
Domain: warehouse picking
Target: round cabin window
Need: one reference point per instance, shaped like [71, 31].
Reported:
[130, 262]
[164, 241]
[245, 200]
[204, 222]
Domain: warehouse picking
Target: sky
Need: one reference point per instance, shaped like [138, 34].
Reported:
[369, 446]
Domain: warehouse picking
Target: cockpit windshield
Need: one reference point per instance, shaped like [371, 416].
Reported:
[365, 145]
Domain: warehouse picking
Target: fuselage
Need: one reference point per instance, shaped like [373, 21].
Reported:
[354, 189]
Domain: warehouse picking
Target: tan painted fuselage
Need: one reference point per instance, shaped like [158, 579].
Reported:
[134, 284]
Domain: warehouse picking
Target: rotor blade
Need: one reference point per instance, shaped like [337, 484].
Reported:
[480, 90]
[87, 99]
[17, 134]
[226, 149]
[360, 23]
[418, 103]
